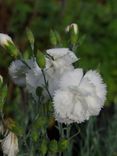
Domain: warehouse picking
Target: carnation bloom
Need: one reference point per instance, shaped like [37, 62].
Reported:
[10, 144]
[18, 69]
[5, 39]
[79, 96]
[58, 61]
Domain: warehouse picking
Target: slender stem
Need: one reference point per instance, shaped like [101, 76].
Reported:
[46, 84]
[68, 131]
[25, 63]
[74, 135]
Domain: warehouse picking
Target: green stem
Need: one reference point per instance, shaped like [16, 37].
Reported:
[74, 135]
[46, 84]
[24, 62]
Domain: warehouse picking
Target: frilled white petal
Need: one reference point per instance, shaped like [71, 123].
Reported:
[78, 97]
[10, 145]
[71, 78]
[54, 77]
[69, 107]
[94, 106]
[95, 78]
[17, 71]
[63, 53]
[62, 100]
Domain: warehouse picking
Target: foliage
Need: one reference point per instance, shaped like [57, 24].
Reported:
[96, 47]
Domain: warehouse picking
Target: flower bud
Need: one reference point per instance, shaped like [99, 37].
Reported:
[63, 144]
[5, 40]
[73, 27]
[53, 146]
[7, 43]
[30, 37]
[72, 31]
[1, 79]
[43, 147]
[41, 60]
[9, 144]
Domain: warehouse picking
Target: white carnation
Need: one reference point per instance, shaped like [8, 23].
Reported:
[60, 57]
[58, 62]
[10, 145]
[66, 109]
[18, 70]
[79, 97]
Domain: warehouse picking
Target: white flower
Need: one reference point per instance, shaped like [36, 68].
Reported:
[5, 39]
[73, 26]
[34, 79]
[58, 62]
[59, 57]
[18, 69]
[10, 145]
[79, 97]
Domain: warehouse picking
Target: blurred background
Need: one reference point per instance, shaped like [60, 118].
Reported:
[97, 21]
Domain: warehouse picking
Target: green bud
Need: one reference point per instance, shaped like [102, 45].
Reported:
[63, 144]
[41, 122]
[43, 147]
[35, 135]
[73, 31]
[30, 37]
[12, 49]
[54, 38]
[39, 91]
[53, 146]
[41, 59]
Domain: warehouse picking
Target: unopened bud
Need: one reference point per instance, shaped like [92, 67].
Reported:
[1, 79]
[73, 27]
[5, 39]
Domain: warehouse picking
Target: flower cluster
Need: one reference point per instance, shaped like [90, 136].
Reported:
[76, 96]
